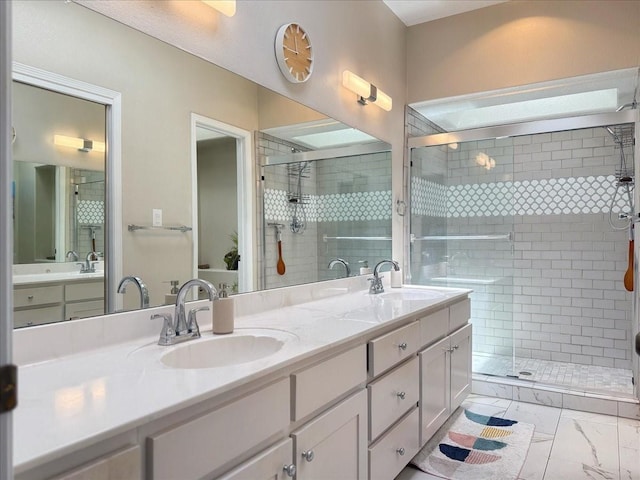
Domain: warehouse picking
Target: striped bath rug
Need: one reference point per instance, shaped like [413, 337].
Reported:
[470, 446]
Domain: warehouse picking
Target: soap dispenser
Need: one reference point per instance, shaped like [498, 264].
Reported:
[223, 311]
[364, 269]
[170, 297]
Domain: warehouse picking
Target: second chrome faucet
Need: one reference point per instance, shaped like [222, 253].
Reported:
[184, 326]
[376, 280]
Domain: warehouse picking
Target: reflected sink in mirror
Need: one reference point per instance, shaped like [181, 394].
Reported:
[243, 346]
[55, 272]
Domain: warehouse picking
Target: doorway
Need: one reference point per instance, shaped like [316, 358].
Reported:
[223, 202]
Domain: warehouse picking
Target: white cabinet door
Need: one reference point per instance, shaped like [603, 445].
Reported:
[434, 388]
[334, 445]
[125, 464]
[460, 366]
[274, 463]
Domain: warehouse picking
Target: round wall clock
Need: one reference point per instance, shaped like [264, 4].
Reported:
[294, 53]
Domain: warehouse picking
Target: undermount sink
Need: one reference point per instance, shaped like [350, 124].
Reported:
[407, 294]
[222, 351]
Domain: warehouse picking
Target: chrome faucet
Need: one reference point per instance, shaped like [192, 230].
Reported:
[89, 266]
[184, 327]
[376, 280]
[142, 288]
[72, 255]
[343, 262]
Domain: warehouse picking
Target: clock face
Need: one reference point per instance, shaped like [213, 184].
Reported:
[294, 53]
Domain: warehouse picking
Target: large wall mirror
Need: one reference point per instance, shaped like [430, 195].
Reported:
[262, 160]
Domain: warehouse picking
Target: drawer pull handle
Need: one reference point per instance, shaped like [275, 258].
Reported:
[400, 451]
[308, 455]
[455, 347]
[30, 297]
[403, 346]
[401, 395]
[290, 470]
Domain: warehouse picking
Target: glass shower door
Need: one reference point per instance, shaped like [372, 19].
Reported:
[462, 232]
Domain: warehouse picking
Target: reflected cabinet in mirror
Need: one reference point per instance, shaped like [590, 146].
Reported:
[192, 146]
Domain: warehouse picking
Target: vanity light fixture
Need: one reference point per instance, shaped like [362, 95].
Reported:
[80, 143]
[226, 7]
[367, 92]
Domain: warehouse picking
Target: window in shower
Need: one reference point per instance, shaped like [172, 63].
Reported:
[532, 224]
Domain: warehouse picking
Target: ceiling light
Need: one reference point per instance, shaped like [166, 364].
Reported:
[367, 92]
[226, 7]
[80, 144]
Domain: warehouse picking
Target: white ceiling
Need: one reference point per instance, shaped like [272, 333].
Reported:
[413, 12]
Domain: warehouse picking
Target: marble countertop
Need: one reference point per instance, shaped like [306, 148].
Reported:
[43, 278]
[43, 273]
[74, 401]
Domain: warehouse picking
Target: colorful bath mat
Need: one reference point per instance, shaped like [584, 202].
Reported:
[470, 446]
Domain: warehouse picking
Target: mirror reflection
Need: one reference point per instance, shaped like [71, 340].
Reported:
[326, 195]
[59, 206]
[217, 173]
[327, 213]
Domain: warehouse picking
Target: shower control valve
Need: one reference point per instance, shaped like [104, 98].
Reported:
[634, 218]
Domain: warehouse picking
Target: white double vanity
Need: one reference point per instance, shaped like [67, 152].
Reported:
[317, 381]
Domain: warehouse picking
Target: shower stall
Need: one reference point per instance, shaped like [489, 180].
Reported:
[536, 219]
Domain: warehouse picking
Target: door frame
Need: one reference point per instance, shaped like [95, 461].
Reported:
[635, 313]
[6, 226]
[245, 198]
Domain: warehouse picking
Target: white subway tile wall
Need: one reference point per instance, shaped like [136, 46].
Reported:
[346, 197]
[555, 292]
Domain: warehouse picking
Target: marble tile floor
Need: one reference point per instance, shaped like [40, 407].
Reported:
[567, 444]
[591, 378]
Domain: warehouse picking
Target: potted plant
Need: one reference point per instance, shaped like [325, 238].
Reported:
[232, 257]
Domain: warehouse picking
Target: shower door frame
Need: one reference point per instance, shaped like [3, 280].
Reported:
[536, 127]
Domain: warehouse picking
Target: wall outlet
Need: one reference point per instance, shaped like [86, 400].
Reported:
[157, 217]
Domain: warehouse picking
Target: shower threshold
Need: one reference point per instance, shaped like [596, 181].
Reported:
[570, 376]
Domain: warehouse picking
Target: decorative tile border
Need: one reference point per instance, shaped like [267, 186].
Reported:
[428, 198]
[555, 196]
[330, 208]
[91, 212]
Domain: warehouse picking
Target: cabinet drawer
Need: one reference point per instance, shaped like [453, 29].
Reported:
[394, 450]
[220, 436]
[318, 385]
[267, 464]
[27, 297]
[392, 348]
[37, 316]
[83, 291]
[392, 395]
[434, 327]
[459, 315]
[83, 309]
